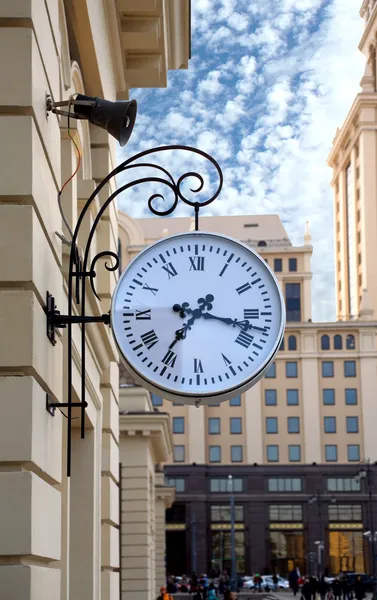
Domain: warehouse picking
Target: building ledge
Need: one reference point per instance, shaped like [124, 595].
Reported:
[155, 37]
[151, 425]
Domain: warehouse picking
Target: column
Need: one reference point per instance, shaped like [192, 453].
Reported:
[136, 576]
[110, 484]
[368, 386]
[30, 261]
[196, 435]
[254, 433]
[311, 399]
[165, 496]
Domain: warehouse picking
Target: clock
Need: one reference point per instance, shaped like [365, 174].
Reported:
[198, 317]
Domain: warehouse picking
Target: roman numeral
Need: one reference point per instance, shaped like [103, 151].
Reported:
[251, 313]
[226, 360]
[151, 289]
[143, 315]
[169, 268]
[149, 339]
[244, 339]
[243, 288]
[198, 367]
[169, 359]
[196, 263]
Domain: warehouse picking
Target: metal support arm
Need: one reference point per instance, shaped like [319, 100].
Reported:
[82, 268]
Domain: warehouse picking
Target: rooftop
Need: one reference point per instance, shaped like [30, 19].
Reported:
[251, 229]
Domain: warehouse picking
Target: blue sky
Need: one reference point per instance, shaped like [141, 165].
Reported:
[268, 83]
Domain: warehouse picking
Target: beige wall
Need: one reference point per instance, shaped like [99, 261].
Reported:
[59, 537]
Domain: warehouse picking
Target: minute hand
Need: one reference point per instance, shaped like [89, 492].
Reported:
[244, 325]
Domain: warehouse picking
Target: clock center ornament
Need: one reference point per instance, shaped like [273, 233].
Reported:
[198, 317]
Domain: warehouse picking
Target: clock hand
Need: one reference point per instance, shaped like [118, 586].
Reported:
[244, 325]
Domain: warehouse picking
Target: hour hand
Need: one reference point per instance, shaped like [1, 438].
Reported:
[180, 334]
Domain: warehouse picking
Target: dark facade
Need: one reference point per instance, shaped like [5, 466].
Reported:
[281, 513]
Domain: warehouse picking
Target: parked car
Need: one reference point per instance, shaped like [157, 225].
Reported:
[351, 578]
[267, 581]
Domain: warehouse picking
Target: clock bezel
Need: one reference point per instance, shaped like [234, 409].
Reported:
[192, 398]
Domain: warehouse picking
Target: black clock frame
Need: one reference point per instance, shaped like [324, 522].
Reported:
[81, 269]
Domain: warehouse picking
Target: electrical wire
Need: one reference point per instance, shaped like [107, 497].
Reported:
[78, 155]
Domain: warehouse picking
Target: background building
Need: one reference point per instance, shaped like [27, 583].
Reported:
[300, 431]
[353, 159]
[59, 538]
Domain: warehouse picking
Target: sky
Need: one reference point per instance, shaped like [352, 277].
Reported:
[268, 83]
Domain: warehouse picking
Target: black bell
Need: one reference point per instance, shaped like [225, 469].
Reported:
[117, 118]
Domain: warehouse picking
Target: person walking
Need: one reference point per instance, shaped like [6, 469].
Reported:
[307, 589]
[313, 586]
[275, 581]
[293, 581]
[212, 594]
[346, 590]
[323, 588]
[164, 595]
[337, 589]
[359, 589]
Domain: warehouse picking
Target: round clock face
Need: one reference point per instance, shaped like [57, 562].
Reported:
[198, 317]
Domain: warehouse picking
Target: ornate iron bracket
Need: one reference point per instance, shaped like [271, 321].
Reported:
[81, 269]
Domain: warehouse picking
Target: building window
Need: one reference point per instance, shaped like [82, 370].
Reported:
[281, 347]
[270, 397]
[177, 482]
[271, 425]
[179, 454]
[221, 514]
[292, 397]
[329, 424]
[285, 512]
[236, 401]
[284, 484]
[292, 342]
[156, 400]
[235, 425]
[236, 454]
[327, 368]
[292, 264]
[272, 453]
[351, 396]
[345, 512]
[291, 369]
[293, 302]
[278, 265]
[350, 342]
[214, 425]
[271, 371]
[352, 424]
[349, 368]
[214, 454]
[331, 453]
[178, 425]
[294, 453]
[353, 452]
[219, 485]
[343, 484]
[325, 342]
[293, 424]
[338, 342]
[328, 396]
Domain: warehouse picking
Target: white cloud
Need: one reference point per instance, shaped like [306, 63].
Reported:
[268, 84]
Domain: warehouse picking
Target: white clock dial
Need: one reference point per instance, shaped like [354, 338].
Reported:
[198, 316]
